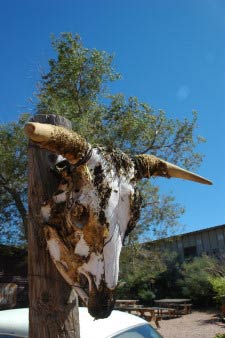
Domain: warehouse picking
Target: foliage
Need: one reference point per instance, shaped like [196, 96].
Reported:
[168, 280]
[138, 270]
[149, 274]
[77, 86]
[220, 335]
[160, 211]
[218, 285]
[196, 276]
[13, 182]
[146, 275]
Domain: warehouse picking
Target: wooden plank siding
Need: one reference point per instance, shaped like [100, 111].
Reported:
[221, 239]
[210, 241]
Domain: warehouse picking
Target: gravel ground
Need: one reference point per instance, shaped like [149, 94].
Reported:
[198, 324]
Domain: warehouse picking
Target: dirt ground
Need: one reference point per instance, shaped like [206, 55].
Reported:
[198, 324]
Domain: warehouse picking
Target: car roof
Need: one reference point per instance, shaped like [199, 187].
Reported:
[102, 328]
[16, 322]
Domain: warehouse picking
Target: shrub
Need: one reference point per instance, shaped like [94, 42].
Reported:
[196, 280]
[218, 285]
[139, 269]
[166, 282]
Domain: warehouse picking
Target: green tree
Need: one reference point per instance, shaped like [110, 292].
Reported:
[13, 181]
[77, 86]
[139, 269]
[218, 285]
[167, 281]
[146, 274]
[196, 279]
[217, 280]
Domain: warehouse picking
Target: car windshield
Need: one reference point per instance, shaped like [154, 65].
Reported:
[142, 331]
[9, 336]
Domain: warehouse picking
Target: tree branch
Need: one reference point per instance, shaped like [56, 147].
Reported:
[18, 202]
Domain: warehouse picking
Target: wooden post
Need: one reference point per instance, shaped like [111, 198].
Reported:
[53, 304]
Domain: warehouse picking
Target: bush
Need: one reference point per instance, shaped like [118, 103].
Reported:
[166, 282]
[139, 269]
[146, 295]
[218, 285]
[146, 275]
[196, 280]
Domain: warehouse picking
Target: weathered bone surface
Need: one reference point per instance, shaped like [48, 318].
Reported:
[95, 206]
[150, 165]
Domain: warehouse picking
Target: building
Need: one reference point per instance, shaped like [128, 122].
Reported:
[210, 241]
[13, 277]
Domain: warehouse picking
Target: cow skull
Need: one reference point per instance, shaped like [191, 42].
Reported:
[95, 206]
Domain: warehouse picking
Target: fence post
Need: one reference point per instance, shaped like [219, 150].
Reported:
[53, 304]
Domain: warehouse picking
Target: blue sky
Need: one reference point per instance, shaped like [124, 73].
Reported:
[171, 54]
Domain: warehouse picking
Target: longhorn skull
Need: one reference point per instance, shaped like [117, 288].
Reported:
[95, 206]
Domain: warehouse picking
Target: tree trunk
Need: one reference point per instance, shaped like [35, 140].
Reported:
[53, 304]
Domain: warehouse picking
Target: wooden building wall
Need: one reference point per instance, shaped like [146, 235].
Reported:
[210, 241]
[13, 270]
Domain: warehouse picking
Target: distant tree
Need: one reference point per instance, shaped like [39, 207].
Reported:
[146, 275]
[218, 285]
[13, 182]
[196, 280]
[139, 269]
[77, 86]
[217, 280]
[168, 281]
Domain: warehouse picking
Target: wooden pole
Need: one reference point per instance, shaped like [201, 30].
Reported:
[53, 304]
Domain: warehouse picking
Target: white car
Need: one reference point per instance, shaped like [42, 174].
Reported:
[14, 323]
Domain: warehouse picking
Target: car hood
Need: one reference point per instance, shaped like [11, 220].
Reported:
[15, 322]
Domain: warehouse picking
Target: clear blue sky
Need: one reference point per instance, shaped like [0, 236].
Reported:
[171, 54]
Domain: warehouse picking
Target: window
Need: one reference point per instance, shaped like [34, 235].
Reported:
[190, 251]
[142, 331]
[8, 336]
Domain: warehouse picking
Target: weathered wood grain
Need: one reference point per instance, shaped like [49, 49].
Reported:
[53, 304]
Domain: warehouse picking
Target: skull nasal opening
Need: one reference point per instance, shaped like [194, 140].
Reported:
[101, 302]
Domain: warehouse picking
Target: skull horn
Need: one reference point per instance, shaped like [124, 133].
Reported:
[149, 165]
[58, 139]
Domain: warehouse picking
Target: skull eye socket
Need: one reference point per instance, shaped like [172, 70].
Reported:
[62, 165]
[79, 225]
[52, 157]
[79, 215]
